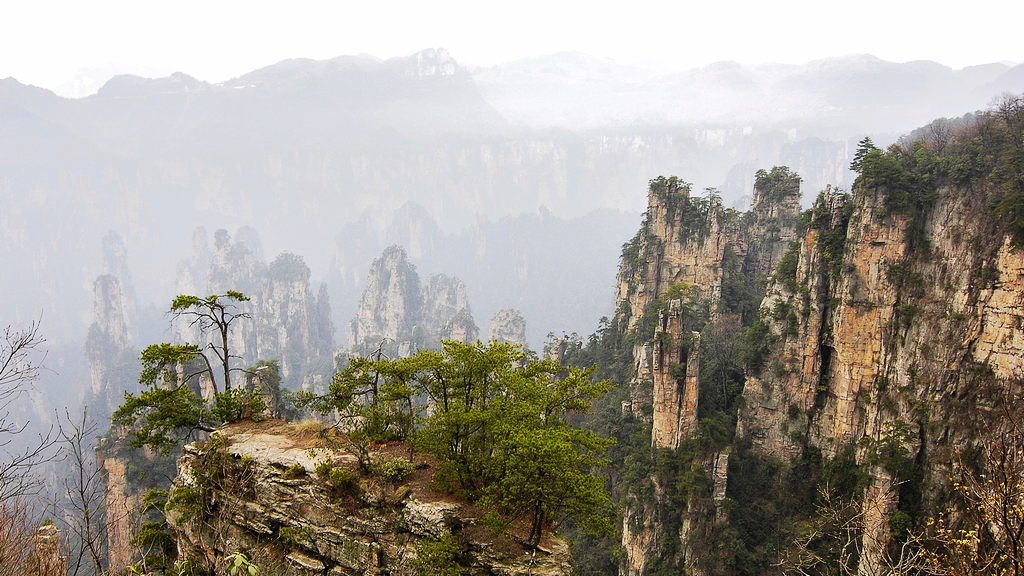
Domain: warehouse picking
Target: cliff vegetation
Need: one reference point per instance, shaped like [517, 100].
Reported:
[826, 391]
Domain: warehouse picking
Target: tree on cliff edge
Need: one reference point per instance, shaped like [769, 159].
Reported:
[496, 425]
[170, 409]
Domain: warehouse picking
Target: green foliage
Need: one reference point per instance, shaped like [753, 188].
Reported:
[160, 417]
[169, 410]
[264, 378]
[721, 381]
[239, 565]
[499, 433]
[296, 536]
[908, 180]
[988, 147]
[438, 557]
[160, 360]
[758, 340]
[183, 568]
[294, 471]
[793, 412]
[779, 184]
[787, 269]
[681, 291]
[154, 539]
[497, 428]
[323, 468]
[393, 469]
[341, 478]
[691, 216]
[189, 502]
[740, 293]
[236, 404]
[163, 418]
[769, 505]
[632, 257]
[374, 396]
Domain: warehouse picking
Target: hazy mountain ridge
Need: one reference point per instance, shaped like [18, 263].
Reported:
[823, 97]
[302, 149]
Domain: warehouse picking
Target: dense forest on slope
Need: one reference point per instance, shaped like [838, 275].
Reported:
[812, 485]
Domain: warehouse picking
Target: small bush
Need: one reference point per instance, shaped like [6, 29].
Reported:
[237, 404]
[296, 536]
[294, 471]
[341, 478]
[395, 469]
[186, 501]
[793, 412]
[323, 468]
[438, 557]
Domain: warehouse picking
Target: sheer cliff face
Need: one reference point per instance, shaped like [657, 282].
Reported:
[314, 523]
[680, 257]
[396, 307]
[895, 334]
[508, 326]
[884, 336]
[895, 342]
[287, 322]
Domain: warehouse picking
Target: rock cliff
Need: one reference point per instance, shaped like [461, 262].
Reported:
[508, 326]
[405, 314]
[301, 508]
[671, 283]
[883, 345]
[288, 322]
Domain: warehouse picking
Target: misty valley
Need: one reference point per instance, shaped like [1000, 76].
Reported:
[556, 316]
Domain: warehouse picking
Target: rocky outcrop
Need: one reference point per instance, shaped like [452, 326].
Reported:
[391, 302]
[889, 337]
[671, 273]
[886, 339]
[405, 315]
[252, 497]
[287, 322]
[121, 505]
[109, 345]
[674, 370]
[508, 326]
[446, 310]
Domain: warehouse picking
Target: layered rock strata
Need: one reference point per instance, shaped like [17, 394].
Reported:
[403, 315]
[254, 501]
[887, 336]
[289, 322]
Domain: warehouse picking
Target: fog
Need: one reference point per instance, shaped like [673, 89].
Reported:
[521, 179]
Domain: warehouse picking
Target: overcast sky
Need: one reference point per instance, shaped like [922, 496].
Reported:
[45, 42]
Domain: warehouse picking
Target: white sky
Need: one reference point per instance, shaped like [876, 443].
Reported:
[45, 42]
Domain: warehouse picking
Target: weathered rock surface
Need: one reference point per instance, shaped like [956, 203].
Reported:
[890, 332]
[288, 322]
[508, 326]
[303, 525]
[682, 247]
[407, 315]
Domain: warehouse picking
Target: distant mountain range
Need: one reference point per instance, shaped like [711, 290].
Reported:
[313, 154]
[826, 98]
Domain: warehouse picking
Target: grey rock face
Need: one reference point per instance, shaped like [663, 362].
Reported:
[392, 301]
[304, 525]
[397, 309]
[287, 322]
[508, 326]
